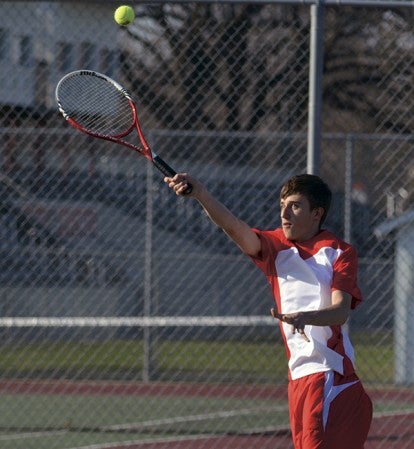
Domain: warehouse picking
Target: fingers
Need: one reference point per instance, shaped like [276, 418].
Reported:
[179, 183]
[302, 333]
[275, 314]
[294, 320]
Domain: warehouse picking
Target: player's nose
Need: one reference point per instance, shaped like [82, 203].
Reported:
[284, 212]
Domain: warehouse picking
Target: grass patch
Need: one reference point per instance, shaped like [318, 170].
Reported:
[251, 362]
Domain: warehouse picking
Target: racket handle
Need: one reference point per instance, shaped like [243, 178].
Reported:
[166, 170]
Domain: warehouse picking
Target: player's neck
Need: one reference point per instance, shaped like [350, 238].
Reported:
[307, 236]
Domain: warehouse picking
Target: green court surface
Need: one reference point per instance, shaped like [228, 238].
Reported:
[65, 421]
[46, 414]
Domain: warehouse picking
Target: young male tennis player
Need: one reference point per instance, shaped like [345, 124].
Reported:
[313, 276]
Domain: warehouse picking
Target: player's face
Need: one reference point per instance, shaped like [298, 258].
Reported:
[299, 221]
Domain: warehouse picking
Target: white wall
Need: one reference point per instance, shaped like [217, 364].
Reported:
[404, 306]
[32, 32]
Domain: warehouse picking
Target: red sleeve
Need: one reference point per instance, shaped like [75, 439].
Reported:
[345, 273]
[265, 259]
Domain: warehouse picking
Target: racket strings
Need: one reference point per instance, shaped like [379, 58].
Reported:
[96, 105]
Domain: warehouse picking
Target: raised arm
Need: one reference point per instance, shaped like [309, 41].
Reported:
[239, 231]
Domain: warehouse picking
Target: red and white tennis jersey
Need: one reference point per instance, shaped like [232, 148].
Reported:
[302, 276]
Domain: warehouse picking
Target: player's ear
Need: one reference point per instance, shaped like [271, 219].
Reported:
[318, 213]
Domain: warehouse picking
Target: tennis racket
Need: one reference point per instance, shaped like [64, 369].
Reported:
[98, 106]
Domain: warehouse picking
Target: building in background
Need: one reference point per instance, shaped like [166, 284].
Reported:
[34, 58]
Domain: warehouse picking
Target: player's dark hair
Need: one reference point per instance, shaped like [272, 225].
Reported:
[313, 188]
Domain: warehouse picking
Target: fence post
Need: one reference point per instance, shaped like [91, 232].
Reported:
[148, 255]
[349, 153]
[315, 86]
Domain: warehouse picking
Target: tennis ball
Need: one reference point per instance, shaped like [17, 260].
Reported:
[124, 15]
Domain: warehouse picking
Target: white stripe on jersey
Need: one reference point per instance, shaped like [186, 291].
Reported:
[306, 285]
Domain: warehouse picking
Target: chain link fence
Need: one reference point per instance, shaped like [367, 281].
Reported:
[127, 319]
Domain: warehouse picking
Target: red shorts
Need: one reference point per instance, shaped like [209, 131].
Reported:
[329, 411]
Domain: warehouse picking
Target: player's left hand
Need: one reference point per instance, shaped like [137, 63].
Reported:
[296, 320]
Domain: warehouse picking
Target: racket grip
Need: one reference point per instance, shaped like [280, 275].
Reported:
[166, 170]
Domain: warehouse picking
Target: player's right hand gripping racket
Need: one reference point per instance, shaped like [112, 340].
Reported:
[98, 106]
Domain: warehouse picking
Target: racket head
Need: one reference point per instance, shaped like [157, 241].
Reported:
[99, 106]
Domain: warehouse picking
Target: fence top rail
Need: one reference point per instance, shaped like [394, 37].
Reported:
[372, 3]
[30, 130]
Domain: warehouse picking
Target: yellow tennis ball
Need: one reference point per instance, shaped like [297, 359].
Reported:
[124, 15]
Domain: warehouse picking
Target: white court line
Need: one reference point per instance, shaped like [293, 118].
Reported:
[195, 418]
[149, 441]
[18, 436]
[393, 413]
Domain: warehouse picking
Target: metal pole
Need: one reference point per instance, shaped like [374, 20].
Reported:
[146, 372]
[315, 87]
[349, 153]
